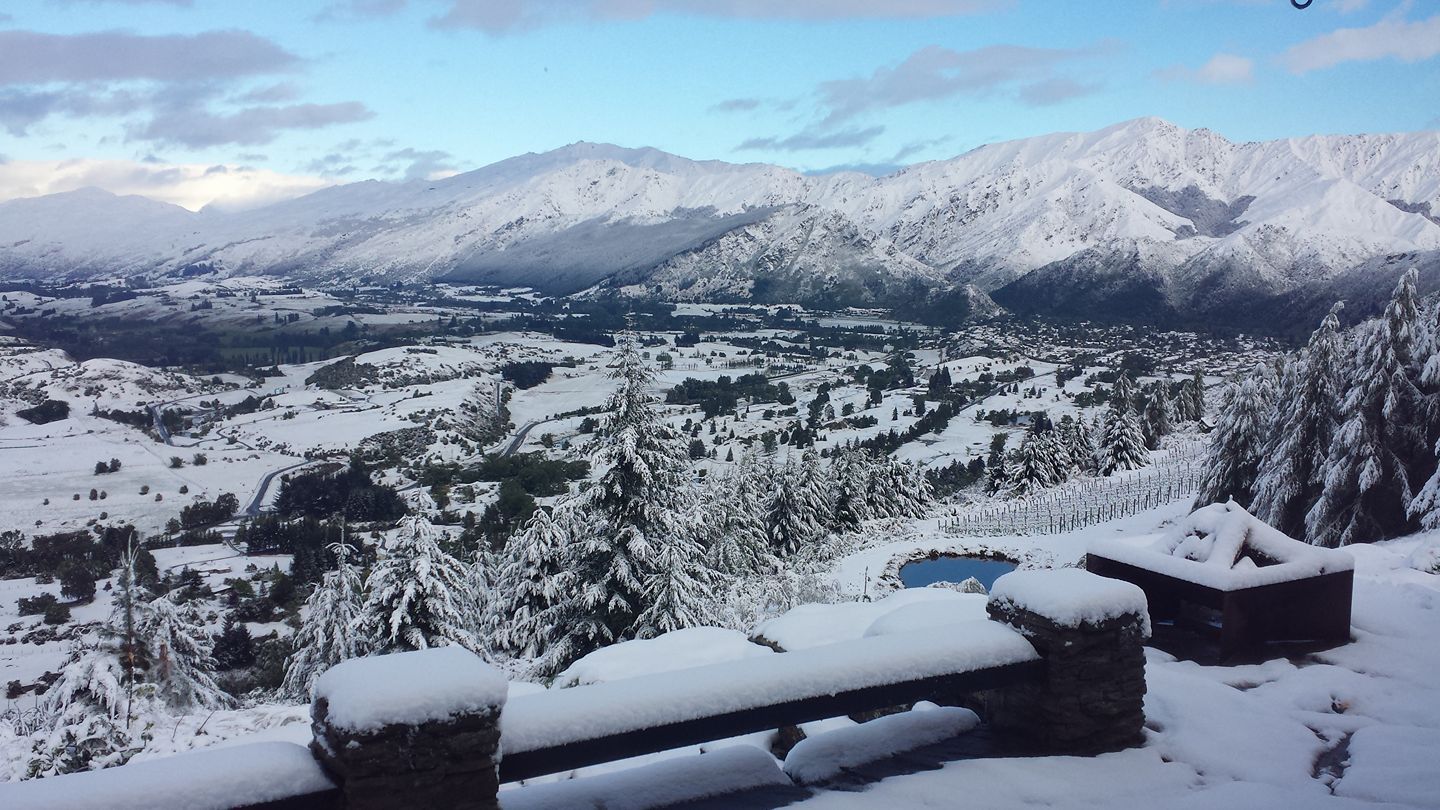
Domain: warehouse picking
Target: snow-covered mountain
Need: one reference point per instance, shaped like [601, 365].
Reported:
[1139, 218]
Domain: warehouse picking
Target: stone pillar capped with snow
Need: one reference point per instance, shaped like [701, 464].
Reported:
[1090, 631]
[414, 729]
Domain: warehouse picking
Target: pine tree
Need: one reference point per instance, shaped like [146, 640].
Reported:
[1158, 418]
[741, 544]
[1122, 445]
[678, 593]
[532, 585]
[1300, 429]
[814, 489]
[1122, 396]
[88, 713]
[180, 654]
[418, 596]
[1368, 491]
[86, 717]
[1232, 461]
[1074, 435]
[850, 471]
[1426, 369]
[1032, 468]
[790, 523]
[642, 501]
[328, 634]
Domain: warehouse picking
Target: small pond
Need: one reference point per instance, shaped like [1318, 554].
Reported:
[920, 573]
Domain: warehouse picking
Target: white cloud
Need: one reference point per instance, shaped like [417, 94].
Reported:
[190, 185]
[1222, 68]
[1392, 38]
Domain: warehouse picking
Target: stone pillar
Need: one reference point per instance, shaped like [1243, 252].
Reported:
[1090, 632]
[410, 730]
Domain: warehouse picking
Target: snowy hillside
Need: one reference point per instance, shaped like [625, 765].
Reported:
[1133, 215]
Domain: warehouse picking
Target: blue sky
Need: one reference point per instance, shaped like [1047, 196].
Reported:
[200, 100]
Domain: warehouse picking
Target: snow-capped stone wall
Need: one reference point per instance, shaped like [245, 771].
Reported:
[1090, 631]
[416, 729]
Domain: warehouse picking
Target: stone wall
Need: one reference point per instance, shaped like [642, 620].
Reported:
[449, 764]
[1091, 699]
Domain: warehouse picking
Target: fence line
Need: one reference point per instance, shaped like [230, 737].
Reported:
[1086, 501]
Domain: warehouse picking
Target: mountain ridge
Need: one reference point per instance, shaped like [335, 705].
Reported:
[1140, 202]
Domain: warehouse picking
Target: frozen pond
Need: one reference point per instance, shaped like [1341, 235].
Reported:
[920, 573]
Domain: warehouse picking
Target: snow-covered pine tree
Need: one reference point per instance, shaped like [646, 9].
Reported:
[1058, 450]
[996, 465]
[1368, 492]
[328, 634]
[1425, 365]
[736, 506]
[1300, 428]
[180, 656]
[642, 501]
[815, 489]
[532, 585]
[850, 471]
[789, 523]
[899, 489]
[88, 714]
[1158, 416]
[678, 592]
[1190, 403]
[1122, 396]
[1032, 467]
[418, 596]
[86, 717]
[1232, 460]
[1122, 442]
[1079, 448]
[482, 416]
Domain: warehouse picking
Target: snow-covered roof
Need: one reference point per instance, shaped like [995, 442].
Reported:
[1222, 546]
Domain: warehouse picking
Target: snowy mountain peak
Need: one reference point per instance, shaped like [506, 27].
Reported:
[1183, 210]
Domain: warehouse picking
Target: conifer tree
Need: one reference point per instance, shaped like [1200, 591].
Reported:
[1426, 368]
[1032, 468]
[88, 714]
[850, 471]
[328, 634]
[789, 523]
[1122, 396]
[180, 656]
[1368, 491]
[1158, 417]
[678, 592]
[642, 501]
[1300, 429]
[736, 508]
[1122, 445]
[1232, 461]
[532, 585]
[418, 596]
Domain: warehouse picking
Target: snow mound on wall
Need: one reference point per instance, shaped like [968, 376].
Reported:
[219, 779]
[679, 649]
[807, 626]
[1071, 597]
[365, 694]
[563, 716]
[1223, 546]
[662, 784]
[821, 758]
[930, 614]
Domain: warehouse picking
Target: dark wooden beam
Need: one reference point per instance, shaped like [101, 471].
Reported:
[582, 753]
